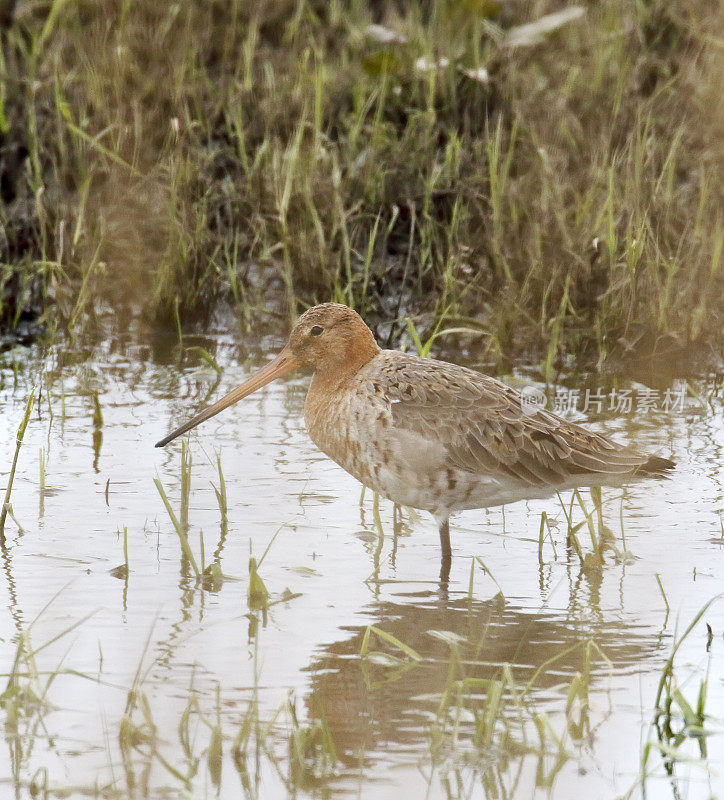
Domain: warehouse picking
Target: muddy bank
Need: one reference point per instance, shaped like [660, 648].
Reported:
[551, 179]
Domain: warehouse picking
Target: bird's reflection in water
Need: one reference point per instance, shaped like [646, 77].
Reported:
[373, 708]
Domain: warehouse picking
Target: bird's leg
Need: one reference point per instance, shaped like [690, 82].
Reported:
[445, 538]
[396, 525]
[446, 552]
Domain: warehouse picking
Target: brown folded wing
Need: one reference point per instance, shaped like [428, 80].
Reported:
[482, 426]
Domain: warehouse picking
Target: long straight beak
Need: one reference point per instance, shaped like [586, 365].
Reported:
[283, 364]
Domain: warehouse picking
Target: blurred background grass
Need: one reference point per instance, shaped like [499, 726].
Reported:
[549, 174]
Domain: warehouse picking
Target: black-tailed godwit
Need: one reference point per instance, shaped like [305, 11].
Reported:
[430, 434]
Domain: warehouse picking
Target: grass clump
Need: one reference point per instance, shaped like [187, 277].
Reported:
[208, 576]
[549, 173]
[6, 507]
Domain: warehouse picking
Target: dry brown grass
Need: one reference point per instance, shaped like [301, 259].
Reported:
[171, 156]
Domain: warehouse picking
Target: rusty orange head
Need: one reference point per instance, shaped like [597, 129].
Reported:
[331, 338]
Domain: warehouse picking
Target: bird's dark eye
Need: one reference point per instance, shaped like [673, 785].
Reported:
[316, 330]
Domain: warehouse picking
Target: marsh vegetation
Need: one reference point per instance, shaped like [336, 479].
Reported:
[498, 182]
[551, 177]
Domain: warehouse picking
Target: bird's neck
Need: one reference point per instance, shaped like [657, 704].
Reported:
[332, 379]
[327, 407]
[330, 375]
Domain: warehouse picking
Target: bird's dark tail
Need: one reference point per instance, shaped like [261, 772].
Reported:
[656, 466]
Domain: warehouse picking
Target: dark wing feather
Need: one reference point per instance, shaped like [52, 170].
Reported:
[484, 430]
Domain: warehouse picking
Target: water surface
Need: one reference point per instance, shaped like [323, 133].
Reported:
[203, 656]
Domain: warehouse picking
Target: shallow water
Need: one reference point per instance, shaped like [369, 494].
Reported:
[331, 574]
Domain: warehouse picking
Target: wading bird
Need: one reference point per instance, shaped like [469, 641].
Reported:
[430, 434]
